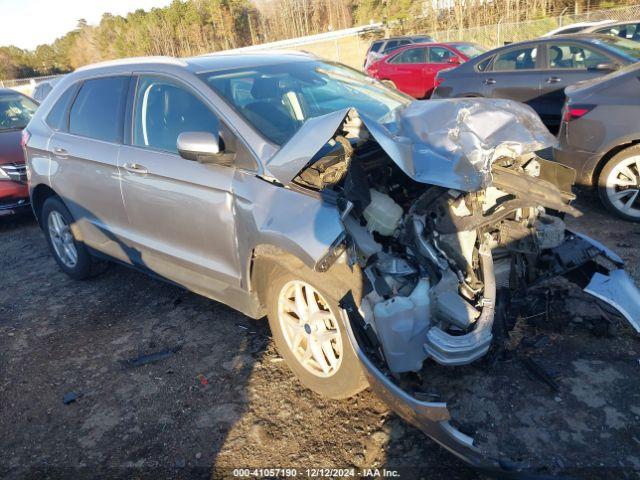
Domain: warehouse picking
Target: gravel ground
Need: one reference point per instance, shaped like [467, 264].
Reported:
[219, 398]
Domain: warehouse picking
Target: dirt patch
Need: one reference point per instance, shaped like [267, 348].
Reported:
[162, 420]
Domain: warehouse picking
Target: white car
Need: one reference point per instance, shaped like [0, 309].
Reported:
[576, 27]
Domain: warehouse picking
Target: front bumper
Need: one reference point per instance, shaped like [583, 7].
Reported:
[14, 197]
[430, 417]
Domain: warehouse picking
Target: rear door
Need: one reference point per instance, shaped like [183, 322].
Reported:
[84, 169]
[514, 74]
[180, 211]
[564, 64]
[439, 59]
[407, 71]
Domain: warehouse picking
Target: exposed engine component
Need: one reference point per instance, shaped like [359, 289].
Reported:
[382, 214]
[402, 323]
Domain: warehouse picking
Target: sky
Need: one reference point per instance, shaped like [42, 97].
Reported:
[29, 23]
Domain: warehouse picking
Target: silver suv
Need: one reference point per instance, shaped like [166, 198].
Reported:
[376, 233]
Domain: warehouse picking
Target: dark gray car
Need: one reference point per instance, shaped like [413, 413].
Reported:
[600, 138]
[536, 72]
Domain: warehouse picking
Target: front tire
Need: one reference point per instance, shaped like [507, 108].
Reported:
[309, 333]
[619, 184]
[71, 255]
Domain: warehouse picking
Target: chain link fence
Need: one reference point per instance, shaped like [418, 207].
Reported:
[492, 36]
[351, 49]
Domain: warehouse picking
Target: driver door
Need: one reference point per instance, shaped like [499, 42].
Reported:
[408, 71]
[180, 214]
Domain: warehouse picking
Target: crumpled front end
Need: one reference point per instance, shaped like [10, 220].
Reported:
[451, 217]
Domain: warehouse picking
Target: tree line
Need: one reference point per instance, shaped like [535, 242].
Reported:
[192, 27]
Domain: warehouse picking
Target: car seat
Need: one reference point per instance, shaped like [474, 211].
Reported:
[267, 111]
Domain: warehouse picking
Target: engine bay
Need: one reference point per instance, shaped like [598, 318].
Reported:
[435, 259]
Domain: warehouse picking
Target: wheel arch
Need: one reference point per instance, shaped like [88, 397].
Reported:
[265, 257]
[39, 195]
[608, 155]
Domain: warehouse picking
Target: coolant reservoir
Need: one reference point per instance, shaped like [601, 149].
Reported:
[402, 324]
[382, 214]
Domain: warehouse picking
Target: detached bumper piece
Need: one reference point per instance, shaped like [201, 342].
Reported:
[618, 290]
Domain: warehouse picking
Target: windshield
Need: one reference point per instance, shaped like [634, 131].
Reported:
[621, 46]
[471, 50]
[15, 111]
[278, 99]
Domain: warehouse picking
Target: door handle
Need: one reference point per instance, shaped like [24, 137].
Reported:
[135, 168]
[60, 152]
[554, 79]
[489, 81]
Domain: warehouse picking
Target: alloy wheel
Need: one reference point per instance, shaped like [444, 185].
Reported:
[62, 239]
[309, 328]
[623, 186]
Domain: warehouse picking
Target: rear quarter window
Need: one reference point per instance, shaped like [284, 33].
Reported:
[482, 66]
[375, 46]
[98, 110]
[58, 117]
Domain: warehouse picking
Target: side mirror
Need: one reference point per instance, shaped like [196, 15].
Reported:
[454, 60]
[606, 66]
[203, 147]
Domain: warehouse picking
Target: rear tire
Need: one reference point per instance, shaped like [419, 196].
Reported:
[319, 334]
[619, 184]
[70, 254]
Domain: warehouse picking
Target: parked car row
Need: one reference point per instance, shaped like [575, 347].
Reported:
[413, 69]
[538, 73]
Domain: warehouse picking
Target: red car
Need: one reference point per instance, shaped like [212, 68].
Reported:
[412, 69]
[15, 112]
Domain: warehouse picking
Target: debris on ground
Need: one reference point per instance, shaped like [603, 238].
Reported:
[141, 360]
[71, 397]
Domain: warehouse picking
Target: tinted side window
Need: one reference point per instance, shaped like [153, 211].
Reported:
[163, 110]
[562, 55]
[391, 45]
[375, 46]
[98, 109]
[58, 117]
[413, 55]
[518, 59]
[629, 31]
[439, 55]
[482, 66]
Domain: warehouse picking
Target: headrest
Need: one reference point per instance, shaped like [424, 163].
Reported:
[557, 52]
[265, 88]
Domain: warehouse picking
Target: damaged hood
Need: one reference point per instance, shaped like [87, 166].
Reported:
[450, 143]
